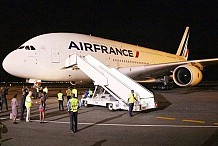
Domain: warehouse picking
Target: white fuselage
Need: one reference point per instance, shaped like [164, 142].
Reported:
[43, 57]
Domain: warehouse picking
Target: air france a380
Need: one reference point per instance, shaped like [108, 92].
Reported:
[43, 58]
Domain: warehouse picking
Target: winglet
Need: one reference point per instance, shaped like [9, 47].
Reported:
[183, 50]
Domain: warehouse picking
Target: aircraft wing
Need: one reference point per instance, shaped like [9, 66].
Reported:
[158, 70]
[205, 62]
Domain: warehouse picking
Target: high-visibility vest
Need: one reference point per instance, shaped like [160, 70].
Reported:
[60, 95]
[28, 101]
[74, 104]
[131, 98]
[74, 91]
[68, 92]
[90, 93]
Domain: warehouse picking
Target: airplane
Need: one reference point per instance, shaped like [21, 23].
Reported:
[43, 57]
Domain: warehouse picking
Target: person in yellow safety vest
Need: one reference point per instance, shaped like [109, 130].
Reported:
[131, 102]
[90, 93]
[28, 104]
[73, 106]
[60, 97]
[68, 92]
[74, 91]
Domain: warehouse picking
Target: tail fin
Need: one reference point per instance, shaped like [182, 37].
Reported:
[183, 50]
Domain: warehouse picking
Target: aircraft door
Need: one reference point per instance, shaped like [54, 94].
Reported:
[55, 55]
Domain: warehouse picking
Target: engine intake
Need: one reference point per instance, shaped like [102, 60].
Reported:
[187, 75]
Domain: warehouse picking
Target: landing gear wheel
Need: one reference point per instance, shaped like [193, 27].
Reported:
[110, 107]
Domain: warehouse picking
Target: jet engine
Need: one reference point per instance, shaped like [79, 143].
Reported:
[187, 75]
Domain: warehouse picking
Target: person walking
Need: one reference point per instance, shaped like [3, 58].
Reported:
[4, 92]
[28, 104]
[25, 90]
[74, 91]
[68, 92]
[5, 95]
[90, 93]
[131, 102]
[22, 102]
[73, 106]
[41, 107]
[14, 105]
[60, 97]
[35, 90]
[45, 95]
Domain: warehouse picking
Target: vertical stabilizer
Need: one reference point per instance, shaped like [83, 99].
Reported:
[183, 47]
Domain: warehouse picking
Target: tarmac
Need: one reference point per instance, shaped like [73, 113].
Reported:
[185, 116]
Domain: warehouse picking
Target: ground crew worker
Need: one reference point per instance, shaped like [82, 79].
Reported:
[90, 93]
[1, 96]
[73, 106]
[74, 91]
[28, 104]
[68, 92]
[131, 102]
[25, 92]
[45, 90]
[60, 97]
[35, 91]
[86, 94]
[3, 129]
[42, 107]
[4, 93]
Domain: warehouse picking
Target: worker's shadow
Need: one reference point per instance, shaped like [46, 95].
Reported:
[4, 140]
[103, 121]
[99, 143]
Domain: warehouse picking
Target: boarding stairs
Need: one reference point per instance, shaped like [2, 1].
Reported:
[113, 81]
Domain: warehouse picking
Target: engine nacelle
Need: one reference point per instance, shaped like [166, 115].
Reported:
[187, 75]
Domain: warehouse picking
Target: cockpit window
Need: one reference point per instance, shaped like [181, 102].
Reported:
[21, 47]
[32, 48]
[27, 48]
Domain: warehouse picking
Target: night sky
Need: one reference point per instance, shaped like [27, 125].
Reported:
[154, 24]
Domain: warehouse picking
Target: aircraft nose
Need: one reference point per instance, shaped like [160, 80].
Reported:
[9, 63]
